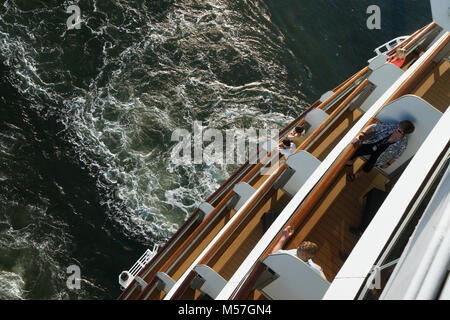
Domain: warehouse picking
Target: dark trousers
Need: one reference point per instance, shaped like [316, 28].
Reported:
[367, 149]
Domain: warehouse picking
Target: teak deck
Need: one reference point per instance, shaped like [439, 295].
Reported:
[329, 222]
[435, 88]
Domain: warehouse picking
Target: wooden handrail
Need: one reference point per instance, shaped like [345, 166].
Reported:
[202, 227]
[224, 238]
[412, 80]
[184, 228]
[417, 35]
[336, 92]
[178, 294]
[208, 219]
[393, 50]
[421, 34]
[343, 88]
[320, 105]
[333, 115]
[194, 215]
[329, 177]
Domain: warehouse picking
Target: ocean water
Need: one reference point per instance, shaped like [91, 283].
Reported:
[86, 116]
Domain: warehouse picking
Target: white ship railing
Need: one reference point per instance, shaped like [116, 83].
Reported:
[126, 277]
[388, 46]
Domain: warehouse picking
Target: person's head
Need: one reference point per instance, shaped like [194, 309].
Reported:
[299, 130]
[401, 53]
[406, 127]
[286, 143]
[307, 250]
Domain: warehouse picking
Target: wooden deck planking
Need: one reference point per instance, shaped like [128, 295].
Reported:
[191, 294]
[434, 88]
[227, 261]
[186, 261]
[156, 295]
[340, 208]
[334, 134]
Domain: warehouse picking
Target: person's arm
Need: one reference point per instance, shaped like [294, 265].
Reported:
[323, 274]
[287, 233]
[362, 136]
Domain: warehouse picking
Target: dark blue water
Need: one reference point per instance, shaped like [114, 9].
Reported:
[86, 116]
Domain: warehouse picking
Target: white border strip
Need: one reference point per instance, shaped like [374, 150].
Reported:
[292, 206]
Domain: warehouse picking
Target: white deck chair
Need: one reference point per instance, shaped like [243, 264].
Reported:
[303, 164]
[244, 192]
[424, 117]
[314, 118]
[296, 280]
[213, 283]
[382, 78]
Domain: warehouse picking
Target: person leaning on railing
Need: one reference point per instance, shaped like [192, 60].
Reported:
[305, 251]
[297, 136]
[286, 148]
[398, 58]
[383, 142]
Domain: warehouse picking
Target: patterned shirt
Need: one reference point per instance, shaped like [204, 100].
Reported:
[379, 132]
[287, 151]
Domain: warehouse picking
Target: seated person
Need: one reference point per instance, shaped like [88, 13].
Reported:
[399, 58]
[305, 251]
[384, 142]
[297, 136]
[286, 148]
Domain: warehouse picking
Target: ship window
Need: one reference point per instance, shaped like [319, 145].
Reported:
[378, 278]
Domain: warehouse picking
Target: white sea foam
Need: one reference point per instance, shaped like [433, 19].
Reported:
[11, 286]
[173, 74]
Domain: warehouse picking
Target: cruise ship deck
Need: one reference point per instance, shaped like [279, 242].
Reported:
[208, 259]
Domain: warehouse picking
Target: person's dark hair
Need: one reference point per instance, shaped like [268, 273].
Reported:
[287, 142]
[307, 250]
[406, 126]
[299, 129]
